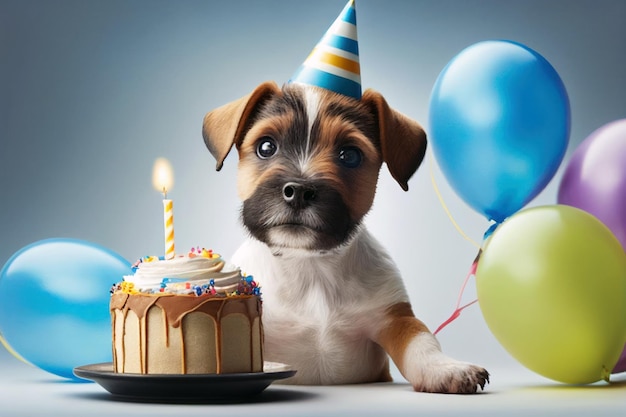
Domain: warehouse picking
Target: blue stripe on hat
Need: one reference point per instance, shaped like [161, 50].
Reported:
[349, 14]
[340, 42]
[319, 78]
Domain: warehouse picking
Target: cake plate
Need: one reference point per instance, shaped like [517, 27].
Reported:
[237, 387]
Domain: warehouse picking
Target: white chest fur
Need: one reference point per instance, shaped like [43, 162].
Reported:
[320, 311]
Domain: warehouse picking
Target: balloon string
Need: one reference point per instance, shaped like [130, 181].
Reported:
[11, 350]
[472, 271]
[443, 204]
[459, 308]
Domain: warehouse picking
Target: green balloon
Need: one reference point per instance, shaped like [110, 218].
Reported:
[551, 285]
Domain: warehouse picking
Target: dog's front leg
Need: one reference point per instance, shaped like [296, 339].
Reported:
[417, 354]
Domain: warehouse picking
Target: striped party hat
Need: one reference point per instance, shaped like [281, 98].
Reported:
[334, 62]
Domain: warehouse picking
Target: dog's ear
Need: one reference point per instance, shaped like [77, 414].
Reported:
[402, 140]
[227, 125]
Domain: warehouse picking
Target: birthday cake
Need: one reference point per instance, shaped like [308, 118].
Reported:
[186, 315]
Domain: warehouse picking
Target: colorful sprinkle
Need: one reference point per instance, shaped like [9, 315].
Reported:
[184, 286]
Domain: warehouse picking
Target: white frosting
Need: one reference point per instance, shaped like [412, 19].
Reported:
[174, 274]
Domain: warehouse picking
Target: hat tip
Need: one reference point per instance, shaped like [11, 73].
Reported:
[334, 62]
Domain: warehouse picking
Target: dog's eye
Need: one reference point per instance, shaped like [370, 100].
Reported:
[266, 148]
[350, 156]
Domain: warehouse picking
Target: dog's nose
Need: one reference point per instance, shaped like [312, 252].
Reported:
[298, 195]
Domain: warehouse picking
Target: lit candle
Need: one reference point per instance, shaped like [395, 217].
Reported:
[163, 180]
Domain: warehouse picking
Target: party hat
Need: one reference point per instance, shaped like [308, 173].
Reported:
[334, 62]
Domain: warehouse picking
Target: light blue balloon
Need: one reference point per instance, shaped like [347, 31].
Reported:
[499, 125]
[54, 303]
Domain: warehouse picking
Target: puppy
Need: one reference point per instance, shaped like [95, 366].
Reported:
[334, 305]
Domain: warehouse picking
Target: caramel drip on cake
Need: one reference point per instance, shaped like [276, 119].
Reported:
[143, 336]
[176, 311]
[183, 360]
[113, 322]
[140, 306]
[218, 342]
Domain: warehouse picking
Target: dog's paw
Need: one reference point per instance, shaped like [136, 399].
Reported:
[453, 377]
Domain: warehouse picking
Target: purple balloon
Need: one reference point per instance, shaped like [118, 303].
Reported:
[595, 181]
[595, 178]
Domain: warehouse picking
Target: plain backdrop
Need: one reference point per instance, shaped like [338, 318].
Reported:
[92, 92]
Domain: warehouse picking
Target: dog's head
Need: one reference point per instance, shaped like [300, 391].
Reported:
[309, 160]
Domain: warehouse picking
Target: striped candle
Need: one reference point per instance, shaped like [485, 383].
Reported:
[163, 180]
[168, 221]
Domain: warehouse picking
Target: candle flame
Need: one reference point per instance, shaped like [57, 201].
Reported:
[162, 176]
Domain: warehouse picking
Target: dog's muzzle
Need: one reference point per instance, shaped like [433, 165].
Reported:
[295, 213]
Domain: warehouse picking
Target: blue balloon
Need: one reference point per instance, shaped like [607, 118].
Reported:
[54, 303]
[499, 125]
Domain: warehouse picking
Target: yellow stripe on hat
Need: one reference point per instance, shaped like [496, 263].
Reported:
[336, 71]
[336, 60]
[339, 52]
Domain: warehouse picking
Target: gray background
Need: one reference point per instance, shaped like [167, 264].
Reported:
[93, 91]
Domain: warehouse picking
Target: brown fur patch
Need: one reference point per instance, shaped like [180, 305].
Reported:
[357, 186]
[402, 140]
[225, 126]
[401, 327]
[252, 170]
